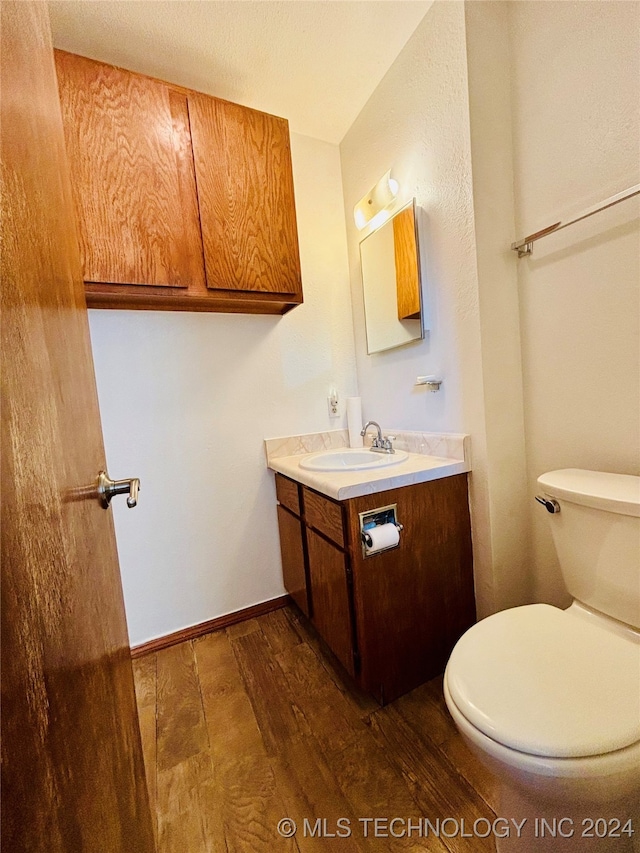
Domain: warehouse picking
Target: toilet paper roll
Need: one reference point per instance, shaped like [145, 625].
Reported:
[354, 421]
[381, 536]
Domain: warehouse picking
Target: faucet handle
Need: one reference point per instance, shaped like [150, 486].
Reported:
[386, 443]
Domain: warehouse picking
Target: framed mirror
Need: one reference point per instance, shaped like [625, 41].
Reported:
[392, 282]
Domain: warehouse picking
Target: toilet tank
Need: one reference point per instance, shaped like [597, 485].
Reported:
[597, 538]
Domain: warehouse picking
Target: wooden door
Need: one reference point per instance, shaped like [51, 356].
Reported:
[245, 193]
[131, 179]
[72, 770]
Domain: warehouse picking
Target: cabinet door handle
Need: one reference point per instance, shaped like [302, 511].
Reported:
[107, 488]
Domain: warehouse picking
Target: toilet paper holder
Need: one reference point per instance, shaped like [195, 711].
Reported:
[373, 518]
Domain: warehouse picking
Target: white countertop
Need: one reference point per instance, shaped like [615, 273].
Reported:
[341, 485]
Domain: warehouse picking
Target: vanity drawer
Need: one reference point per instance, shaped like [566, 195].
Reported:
[288, 493]
[324, 515]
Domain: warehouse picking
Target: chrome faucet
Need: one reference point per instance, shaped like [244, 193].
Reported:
[380, 444]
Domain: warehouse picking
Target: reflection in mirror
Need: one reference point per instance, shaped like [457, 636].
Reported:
[390, 260]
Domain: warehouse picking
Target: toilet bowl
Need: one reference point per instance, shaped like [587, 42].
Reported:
[549, 699]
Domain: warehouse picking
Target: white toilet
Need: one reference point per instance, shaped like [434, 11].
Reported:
[549, 699]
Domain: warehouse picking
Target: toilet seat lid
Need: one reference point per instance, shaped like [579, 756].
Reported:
[547, 682]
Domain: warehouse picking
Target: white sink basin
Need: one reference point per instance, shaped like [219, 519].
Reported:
[352, 460]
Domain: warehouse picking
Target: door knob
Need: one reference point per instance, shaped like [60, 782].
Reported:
[107, 488]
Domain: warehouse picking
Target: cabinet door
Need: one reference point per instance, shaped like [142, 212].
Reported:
[330, 597]
[291, 548]
[130, 179]
[245, 192]
[406, 262]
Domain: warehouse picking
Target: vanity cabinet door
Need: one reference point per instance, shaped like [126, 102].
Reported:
[134, 200]
[330, 597]
[292, 551]
[245, 192]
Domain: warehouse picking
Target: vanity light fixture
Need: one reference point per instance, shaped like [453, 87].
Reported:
[375, 207]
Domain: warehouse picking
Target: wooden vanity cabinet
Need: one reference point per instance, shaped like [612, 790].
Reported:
[392, 618]
[184, 202]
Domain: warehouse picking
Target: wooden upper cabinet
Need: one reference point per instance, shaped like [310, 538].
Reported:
[245, 191]
[184, 202]
[124, 139]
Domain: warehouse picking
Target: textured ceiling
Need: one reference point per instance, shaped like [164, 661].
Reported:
[315, 63]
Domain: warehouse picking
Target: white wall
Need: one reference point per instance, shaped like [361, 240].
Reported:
[489, 70]
[416, 123]
[576, 138]
[186, 401]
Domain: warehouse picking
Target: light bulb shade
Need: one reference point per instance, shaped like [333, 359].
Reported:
[378, 200]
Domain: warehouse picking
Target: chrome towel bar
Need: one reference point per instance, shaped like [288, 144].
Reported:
[525, 246]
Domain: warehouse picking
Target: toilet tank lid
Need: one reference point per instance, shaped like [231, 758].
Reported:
[611, 492]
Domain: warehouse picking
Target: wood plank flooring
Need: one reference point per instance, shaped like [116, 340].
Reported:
[256, 723]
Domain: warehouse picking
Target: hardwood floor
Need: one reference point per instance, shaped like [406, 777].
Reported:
[255, 723]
